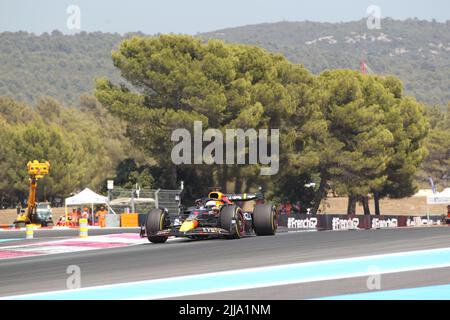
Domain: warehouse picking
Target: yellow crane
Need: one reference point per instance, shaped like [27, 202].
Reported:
[36, 213]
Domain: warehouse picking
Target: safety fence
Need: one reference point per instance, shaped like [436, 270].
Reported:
[355, 222]
[143, 200]
[133, 205]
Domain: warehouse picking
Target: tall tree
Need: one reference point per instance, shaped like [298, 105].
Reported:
[407, 121]
[437, 162]
[180, 79]
[359, 142]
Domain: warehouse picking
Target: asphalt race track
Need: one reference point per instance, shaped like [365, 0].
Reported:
[180, 257]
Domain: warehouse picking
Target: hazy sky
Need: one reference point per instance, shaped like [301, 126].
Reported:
[192, 16]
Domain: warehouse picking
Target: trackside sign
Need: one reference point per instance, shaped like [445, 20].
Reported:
[345, 222]
[420, 221]
[387, 223]
[308, 223]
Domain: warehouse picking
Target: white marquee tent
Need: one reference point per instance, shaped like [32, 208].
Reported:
[86, 197]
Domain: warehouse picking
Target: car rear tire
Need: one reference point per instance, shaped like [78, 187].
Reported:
[264, 220]
[227, 215]
[156, 221]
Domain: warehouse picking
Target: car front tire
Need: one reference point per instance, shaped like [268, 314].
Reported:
[156, 221]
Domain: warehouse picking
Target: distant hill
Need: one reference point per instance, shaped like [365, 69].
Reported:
[64, 66]
[416, 51]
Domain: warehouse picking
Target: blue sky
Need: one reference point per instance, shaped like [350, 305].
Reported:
[192, 16]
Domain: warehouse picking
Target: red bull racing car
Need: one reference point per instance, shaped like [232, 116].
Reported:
[217, 216]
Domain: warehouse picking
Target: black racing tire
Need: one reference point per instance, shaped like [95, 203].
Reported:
[264, 220]
[156, 221]
[227, 214]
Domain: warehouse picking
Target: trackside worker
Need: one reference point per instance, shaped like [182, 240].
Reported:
[74, 216]
[100, 215]
[61, 222]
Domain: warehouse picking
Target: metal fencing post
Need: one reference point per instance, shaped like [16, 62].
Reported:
[109, 186]
[156, 198]
[132, 200]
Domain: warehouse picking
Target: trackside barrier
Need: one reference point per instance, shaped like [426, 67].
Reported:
[112, 221]
[354, 222]
[129, 220]
[83, 228]
[29, 233]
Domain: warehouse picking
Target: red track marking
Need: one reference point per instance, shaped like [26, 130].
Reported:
[71, 245]
[16, 254]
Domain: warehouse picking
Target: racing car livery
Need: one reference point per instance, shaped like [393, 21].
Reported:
[217, 216]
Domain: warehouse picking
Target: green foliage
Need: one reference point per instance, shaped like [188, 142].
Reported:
[76, 142]
[57, 65]
[128, 174]
[362, 143]
[437, 163]
[409, 149]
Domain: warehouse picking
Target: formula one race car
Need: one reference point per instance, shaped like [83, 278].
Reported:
[217, 216]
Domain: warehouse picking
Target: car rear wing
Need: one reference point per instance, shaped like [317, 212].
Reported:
[245, 196]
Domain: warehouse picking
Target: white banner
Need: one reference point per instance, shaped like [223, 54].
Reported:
[436, 199]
